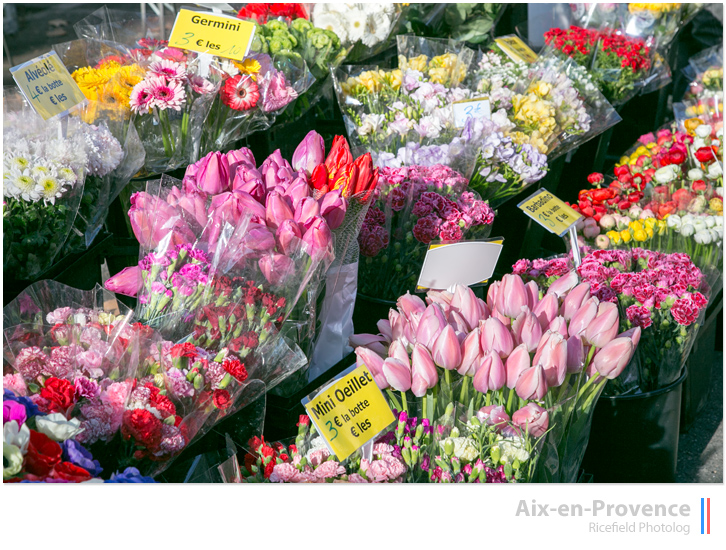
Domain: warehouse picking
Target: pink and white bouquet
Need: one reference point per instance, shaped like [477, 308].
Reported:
[511, 381]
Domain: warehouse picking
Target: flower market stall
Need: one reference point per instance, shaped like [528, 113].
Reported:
[362, 243]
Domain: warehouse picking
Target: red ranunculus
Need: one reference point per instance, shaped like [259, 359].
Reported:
[143, 427]
[699, 185]
[43, 453]
[59, 393]
[70, 472]
[595, 178]
[676, 156]
[221, 399]
[705, 154]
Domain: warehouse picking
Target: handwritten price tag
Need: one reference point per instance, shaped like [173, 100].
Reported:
[471, 108]
[516, 49]
[550, 212]
[47, 85]
[463, 263]
[210, 33]
[349, 412]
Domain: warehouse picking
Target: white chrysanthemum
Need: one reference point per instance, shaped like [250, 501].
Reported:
[50, 188]
[356, 24]
[332, 21]
[67, 175]
[104, 152]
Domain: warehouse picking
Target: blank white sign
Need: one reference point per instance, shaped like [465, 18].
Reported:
[465, 263]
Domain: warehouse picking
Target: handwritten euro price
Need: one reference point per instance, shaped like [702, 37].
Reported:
[471, 109]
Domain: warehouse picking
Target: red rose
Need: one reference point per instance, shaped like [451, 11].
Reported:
[705, 154]
[221, 399]
[142, 426]
[68, 471]
[236, 369]
[43, 453]
[60, 394]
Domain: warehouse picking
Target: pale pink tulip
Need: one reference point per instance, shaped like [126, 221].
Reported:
[309, 153]
[563, 285]
[398, 351]
[490, 376]
[446, 349]
[464, 302]
[511, 296]
[527, 330]
[581, 319]
[372, 361]
[496, 337]
[546, 310]
[458, 322]
[430, 326]
[484, 311]
[532, 384]
[493, 415]
[559, 324]
[633, 334]
[423, 371]
[384, 327]
[492, 295]
[575, 354]
[604, 327]
[397, 374]
[611, 360]
[533, 419]
[442, 298]
[532, 291]
[574, 300]
[470, 354]
[374, 342]
[552, 357]
[411, 306]
[517, 362]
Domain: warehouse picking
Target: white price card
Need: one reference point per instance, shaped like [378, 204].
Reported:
[471, 108]
[463, 263]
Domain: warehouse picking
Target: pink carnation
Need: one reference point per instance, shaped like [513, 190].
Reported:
[15, 383]
[284, 473]
[329, 469]
[31, 362]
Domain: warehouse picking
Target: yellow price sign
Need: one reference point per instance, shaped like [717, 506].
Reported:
[550, 212]
[47, 85]
[516, 49]
[349, 412]
[211, 33]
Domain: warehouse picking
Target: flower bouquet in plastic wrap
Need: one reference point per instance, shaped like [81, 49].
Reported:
[300, 40]
[507, 386]
[364, 29]
[43, 186]
[469, 22]
[539, 112]
[664, 295]
[705, 71]
[265, 11]
[405, 116]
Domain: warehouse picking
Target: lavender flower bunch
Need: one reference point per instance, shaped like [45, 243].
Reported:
[174, 282]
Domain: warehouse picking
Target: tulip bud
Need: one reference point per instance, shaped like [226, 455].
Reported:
[574, 300]
[527, 330]
[278, 210]
[308, 209]
[446, 350]
[471, 354]
[517, 362]
[492, 294]
[511, 296]
[558, 324]
[562, 285]
[276, 268]
[582, 318]
[465, 303]
[411, 306]
[575, 354]
[423, 370]
[552, 356]
[319, 240]
[533, 419]
[296, 192]
[333, 208]
[309, 153]
[430, 326]
[494, 415]
[398, 351]
[397, 374]
[532, 291]
[546, 310]
[611, 360]
[604, 327]
[289, 237]
[532, 384]
[496, 337]
[213, 173]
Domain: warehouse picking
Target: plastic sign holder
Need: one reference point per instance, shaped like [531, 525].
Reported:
[349, 412]
[212, 33]
[516, 49]
[465, 263]
[465, 109]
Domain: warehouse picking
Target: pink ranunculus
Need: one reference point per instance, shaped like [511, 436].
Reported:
[15, 383]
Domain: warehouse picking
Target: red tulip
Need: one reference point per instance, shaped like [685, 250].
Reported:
[339, 154]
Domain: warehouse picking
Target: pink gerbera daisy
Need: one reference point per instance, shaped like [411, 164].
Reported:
[167, 95]
[240, 93]
[141, 98]
[169, 69]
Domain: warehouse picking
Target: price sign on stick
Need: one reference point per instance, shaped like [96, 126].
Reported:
[47, 85]
[349, 412]
[550, 212]
[211, 33]
[463, 263]
[471, 108]
[516, 49]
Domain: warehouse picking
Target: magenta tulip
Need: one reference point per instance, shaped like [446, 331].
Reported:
[411, 306]
[581, 319]
[152, 219]
[604, 327]
[564, 284]
[574, 300]
[246, 182]
[546, 310]
[258, 238]
[559, 324]
[532, 291]
[240, 156]
[575, 354]
[517, 362]
[496, 337]
[318, 241]
[277, 268]
[213, 174]
[532, 384]
[297, 191]
[309, 153]
[470, 354]
[276, 170]
[246, 202]
[527, 330]
[424, 375]
[308, 210]
[493, 415]
[511, 296]
[533, 419]
[333, 208]
[446, 349]
[552, 357]
[277, 210]
[289, 237]
[126, 282]
[397, 374]
[195, 205]
[398, 351]
[430, 326]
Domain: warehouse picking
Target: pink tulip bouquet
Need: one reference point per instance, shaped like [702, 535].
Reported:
[664, 295]
[415, 206]
[515, 377]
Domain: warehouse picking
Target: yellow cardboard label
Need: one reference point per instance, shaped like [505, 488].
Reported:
[516, 49]
[220, 35]
[550, 212]
[47, 85]
[350, 412]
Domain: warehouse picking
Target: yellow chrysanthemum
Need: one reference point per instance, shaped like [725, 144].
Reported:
[248, 66]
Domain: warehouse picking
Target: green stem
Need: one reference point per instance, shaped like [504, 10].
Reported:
[404, 401]
[509, 401]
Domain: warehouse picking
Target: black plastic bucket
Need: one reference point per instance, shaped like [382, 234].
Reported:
[368, 311]
[634, 438]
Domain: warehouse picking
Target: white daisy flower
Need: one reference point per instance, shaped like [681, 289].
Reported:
[332, 21]
[356, 24]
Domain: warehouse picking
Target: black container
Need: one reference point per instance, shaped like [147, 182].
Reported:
[634, 438]
[368, 311]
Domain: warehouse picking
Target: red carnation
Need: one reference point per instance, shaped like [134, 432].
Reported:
[162, 403]
[60, 394]
[143, 427]
[184, 350]
[222, 399]
[304, 420]
[236, 369]
[68, 471]
[43, 453]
